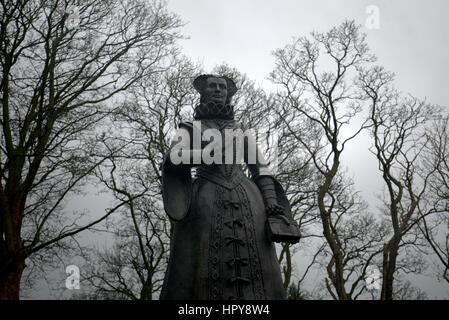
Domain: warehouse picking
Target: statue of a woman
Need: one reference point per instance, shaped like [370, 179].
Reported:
[222, 246]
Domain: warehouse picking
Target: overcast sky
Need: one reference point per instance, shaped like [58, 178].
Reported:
[412, 41]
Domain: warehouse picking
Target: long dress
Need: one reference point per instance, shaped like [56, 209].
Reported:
[220, 249]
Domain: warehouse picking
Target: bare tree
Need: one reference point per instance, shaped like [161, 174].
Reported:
[134, 267]
[256, 109]
[322, 108]
[146, 122]
[59, 73]
[299, 179]
[142, 129]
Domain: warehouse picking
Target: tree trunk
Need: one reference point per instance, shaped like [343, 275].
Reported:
[10, 275]
[146, 293]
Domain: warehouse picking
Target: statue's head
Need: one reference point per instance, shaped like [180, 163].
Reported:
[214, 88]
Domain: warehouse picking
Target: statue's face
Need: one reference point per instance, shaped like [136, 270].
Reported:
[216, 90]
